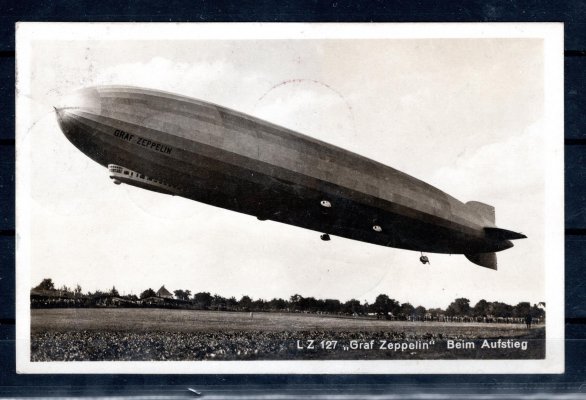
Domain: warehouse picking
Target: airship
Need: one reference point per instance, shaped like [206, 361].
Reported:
[186, 147]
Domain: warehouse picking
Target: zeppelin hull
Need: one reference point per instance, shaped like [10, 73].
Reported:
[227, 159]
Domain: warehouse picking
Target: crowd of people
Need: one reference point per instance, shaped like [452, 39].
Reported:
[46, 295]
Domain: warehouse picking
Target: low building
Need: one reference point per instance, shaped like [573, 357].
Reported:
[164, 293]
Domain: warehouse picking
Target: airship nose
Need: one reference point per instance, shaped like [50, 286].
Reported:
[71, 109]
[61, 119]
[66, 121]
[77, 116]
[87, 100]
[59, 112]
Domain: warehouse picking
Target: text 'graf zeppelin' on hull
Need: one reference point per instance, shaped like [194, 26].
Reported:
[198, 150]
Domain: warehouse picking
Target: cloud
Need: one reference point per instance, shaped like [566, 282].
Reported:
[497, 170]
[309, 107]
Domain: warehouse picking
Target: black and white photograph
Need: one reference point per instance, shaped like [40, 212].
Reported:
[289, 198]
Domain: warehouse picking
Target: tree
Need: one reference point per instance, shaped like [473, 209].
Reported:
[352, 306]
[245, 303]
[218, 302]
[295, 301]
[332, 306]
[148, 293]
[522, 309]
[406, 310]
[98, 293]
[308, 304]
[114, 292]
[381, 304]
[203, 299]
[420, 311]
[481, 309]
[385, 305]
[77, 290]
[259, 305]
[277, 304]
[46, 284]
[538, 311]
[499, 309]
[459, 307]
[231, 303]
[182, 294]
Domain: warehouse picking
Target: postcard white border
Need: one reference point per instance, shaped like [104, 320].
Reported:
[551, 33]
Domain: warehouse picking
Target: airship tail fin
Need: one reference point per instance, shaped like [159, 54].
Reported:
[484, 211]
[487, 216]
[486, 260]
[503, 234]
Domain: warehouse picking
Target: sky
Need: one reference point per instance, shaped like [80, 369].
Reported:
[465, 115]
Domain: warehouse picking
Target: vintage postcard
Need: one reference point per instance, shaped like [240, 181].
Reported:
[289, 198]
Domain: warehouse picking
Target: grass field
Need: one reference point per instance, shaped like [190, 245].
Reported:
[162, 334]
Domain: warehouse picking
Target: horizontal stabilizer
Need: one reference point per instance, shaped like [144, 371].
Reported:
[502, 234]
[486, 260]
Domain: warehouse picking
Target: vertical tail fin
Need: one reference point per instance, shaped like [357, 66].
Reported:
[486, 260]
[484, 211]
[486, 217]
[500, 237]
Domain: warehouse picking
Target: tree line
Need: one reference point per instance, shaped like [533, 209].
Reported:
[383, 306]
